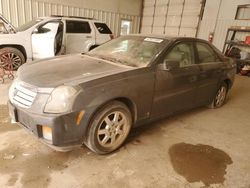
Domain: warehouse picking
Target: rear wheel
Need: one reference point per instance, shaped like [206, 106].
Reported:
[220, 96]
[11, 58]
[109, 128]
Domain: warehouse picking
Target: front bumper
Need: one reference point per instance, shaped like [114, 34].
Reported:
[66, 134]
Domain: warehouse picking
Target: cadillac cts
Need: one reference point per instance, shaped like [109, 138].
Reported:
[96, 98]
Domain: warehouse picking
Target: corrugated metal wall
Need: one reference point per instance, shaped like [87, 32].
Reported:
[171, 17]
[21, 11]
[222, 25]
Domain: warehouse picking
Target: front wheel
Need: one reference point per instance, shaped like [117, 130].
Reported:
[220, 97]
[109, 128]
[11, 58]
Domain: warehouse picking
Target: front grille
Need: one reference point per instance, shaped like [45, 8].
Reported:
[23, 97]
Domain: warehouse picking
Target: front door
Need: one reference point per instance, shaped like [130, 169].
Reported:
[47, 40]
[175, 89]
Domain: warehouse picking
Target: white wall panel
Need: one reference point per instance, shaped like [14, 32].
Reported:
[21, 11]
[171, 17]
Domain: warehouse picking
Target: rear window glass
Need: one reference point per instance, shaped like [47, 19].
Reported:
[77, 27]
[103, 28]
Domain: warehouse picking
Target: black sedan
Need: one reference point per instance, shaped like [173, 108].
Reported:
[96, 98]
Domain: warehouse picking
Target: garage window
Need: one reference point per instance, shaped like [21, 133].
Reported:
[243, 12]
[77, 27]
[102, 28]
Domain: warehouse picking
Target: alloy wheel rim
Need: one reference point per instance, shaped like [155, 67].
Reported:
[113, 130]
[220, 97]
[10, 60]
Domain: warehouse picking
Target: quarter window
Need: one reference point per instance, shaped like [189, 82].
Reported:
[102, 28]
[77, 27]
[205, 53]
[184, 53]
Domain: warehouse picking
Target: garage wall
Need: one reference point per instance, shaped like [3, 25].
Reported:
[109, 11]
[171, 17]
[218, 16]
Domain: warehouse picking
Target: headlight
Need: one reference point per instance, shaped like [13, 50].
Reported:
[61, 100]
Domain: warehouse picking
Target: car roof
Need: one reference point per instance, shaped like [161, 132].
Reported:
[167, 37]
[71, 17]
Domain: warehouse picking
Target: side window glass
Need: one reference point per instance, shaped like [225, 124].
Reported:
[205, 53]
[50, 27]
[102, 28]
[77, 27]
[184, 53]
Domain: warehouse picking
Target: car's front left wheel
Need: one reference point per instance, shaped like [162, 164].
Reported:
[109, 128]
[11, 58]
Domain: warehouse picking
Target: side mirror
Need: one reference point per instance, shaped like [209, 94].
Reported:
[169, 65]
[35, 31]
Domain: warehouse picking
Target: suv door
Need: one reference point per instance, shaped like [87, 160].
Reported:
[45, 39]
[211, 70]
[79, 36]
[175, 90]
[103, 33]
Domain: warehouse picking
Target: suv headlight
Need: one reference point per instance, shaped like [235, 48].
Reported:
[61, 100]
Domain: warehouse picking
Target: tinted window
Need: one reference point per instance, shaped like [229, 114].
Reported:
[103, 28]
[184, 53]
[77, 27]
[205, 53]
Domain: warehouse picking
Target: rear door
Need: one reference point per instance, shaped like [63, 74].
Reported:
[175, 90]
[80, 36]
[103, 33]
[211, 70]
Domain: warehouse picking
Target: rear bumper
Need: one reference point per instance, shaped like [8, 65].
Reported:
[66, 135]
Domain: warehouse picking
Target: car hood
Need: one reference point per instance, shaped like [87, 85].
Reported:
[66, 70]
[10, 27]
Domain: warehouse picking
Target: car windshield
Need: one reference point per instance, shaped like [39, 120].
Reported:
[28, 25]
[135, 51]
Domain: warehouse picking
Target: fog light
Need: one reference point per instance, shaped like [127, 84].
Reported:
[47, 133]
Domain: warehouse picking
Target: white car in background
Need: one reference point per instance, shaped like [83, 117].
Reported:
[49, 36]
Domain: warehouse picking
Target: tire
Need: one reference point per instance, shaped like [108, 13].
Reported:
[220, 97]
[106, 133]
[11, 58]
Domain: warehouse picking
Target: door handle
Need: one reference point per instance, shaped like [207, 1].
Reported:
[88, 37]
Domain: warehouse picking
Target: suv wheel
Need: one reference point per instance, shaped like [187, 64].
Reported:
[109, 128]
[11, 58]
[220, 97]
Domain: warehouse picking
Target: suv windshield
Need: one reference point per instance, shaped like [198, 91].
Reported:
[28, 25]
[135, 51]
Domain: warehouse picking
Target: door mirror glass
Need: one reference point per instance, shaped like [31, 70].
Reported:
[35, 31]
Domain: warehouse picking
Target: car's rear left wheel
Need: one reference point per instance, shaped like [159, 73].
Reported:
[109, 128]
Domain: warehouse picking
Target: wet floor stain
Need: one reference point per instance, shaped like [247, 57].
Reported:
[200, 163]
[36, 167]
[13, 179]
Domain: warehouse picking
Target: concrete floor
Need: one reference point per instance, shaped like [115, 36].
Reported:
[200, 148]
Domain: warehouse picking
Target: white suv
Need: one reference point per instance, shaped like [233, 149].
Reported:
[49, 36]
